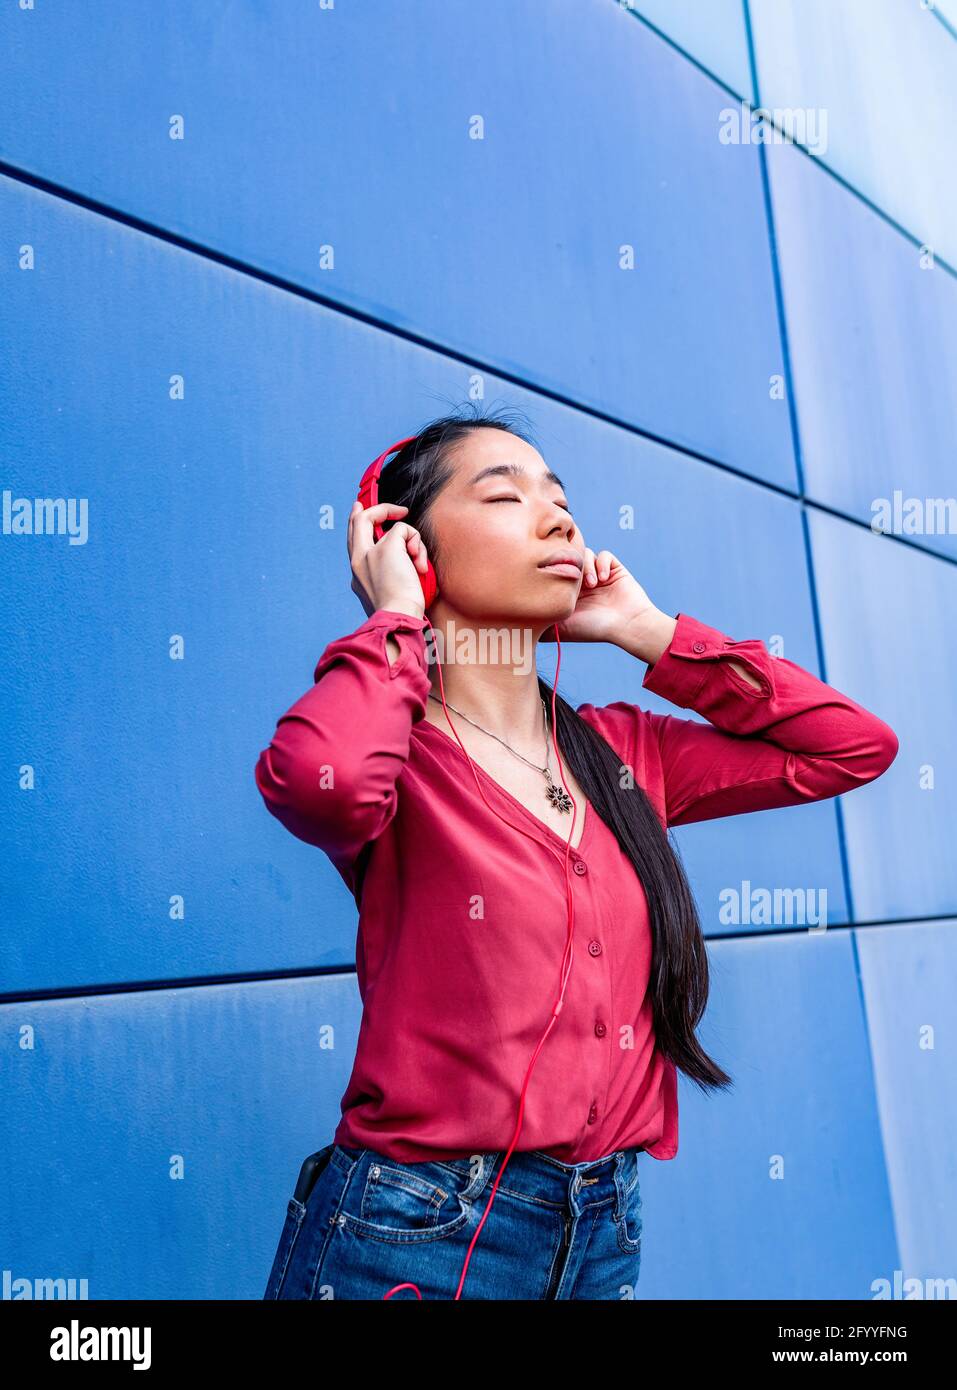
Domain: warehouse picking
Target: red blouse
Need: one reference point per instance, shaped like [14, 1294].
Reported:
[463, 921]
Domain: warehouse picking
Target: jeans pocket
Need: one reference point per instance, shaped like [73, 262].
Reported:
[404, 1203]
[295, 1211]
[630, 1223]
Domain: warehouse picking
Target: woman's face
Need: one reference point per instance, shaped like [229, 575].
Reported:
[498, 520]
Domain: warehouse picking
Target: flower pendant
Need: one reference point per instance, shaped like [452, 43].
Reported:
[557, 795]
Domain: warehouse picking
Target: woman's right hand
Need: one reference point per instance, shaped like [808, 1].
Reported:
[385, 573]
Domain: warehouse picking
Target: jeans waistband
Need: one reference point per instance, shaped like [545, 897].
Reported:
[536, 1174]
[532, 1174]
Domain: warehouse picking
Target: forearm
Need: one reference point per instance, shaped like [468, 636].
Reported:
[330, 770]
[829, 742]
[392, 646]
[649, 636]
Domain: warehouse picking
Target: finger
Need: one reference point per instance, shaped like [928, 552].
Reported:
[365, 519]
[603, 564]
[588, 567]
[400, 536]
[383, 510]
[356, 506]
[417, 552]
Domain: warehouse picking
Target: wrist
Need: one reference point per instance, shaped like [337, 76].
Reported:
[402, 605]
[647, 635]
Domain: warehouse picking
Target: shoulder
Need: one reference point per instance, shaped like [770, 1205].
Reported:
[628, 728]
[630, 731]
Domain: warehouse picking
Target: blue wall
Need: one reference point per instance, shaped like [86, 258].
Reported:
[211, 338]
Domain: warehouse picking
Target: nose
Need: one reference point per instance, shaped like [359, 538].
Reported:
[563, 523]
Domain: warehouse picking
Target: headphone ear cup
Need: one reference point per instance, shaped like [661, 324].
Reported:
[430, 585]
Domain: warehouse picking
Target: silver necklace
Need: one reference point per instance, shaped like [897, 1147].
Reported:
[556, 795]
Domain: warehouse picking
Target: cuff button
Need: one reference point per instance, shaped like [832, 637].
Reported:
[697, 646]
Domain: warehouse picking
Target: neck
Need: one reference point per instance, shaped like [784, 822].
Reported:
[489, 674]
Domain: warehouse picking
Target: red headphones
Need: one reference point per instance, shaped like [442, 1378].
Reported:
[369, 496]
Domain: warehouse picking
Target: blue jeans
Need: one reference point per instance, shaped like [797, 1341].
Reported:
[555, 1230]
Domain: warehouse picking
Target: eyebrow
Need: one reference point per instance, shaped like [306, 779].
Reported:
[514, 470]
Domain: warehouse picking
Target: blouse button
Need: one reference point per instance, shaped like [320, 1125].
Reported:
[594, 948]
[697, 646]
[580, 867]
[600, 1030]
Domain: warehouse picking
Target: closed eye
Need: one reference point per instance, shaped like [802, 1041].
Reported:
[563, 505]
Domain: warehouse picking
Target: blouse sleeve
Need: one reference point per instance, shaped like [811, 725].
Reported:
[329, 774]
[792, 740]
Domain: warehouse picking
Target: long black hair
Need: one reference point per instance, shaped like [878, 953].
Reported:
[679, 981]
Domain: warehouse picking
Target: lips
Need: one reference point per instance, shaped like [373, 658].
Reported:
[563, 562]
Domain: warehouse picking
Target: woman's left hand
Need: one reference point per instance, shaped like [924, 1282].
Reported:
[608, 599]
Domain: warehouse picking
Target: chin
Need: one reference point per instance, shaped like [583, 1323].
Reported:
[557, 612]
[545, 601]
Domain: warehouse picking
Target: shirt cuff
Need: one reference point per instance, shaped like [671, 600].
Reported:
[412, 652]
[681, 672]
[394, 620]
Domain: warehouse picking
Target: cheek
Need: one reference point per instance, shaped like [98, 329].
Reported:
[486, 549]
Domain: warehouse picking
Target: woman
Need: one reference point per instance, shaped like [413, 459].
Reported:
[490, 1066]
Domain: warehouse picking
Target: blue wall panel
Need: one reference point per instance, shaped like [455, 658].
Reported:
[884, 72]
[909, 978]
[308, 129]
[714, 33]
[873, 346]
[153, 1139]
[779, 1188]
[888, 614]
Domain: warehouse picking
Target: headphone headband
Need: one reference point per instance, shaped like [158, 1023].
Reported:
[369, 484]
